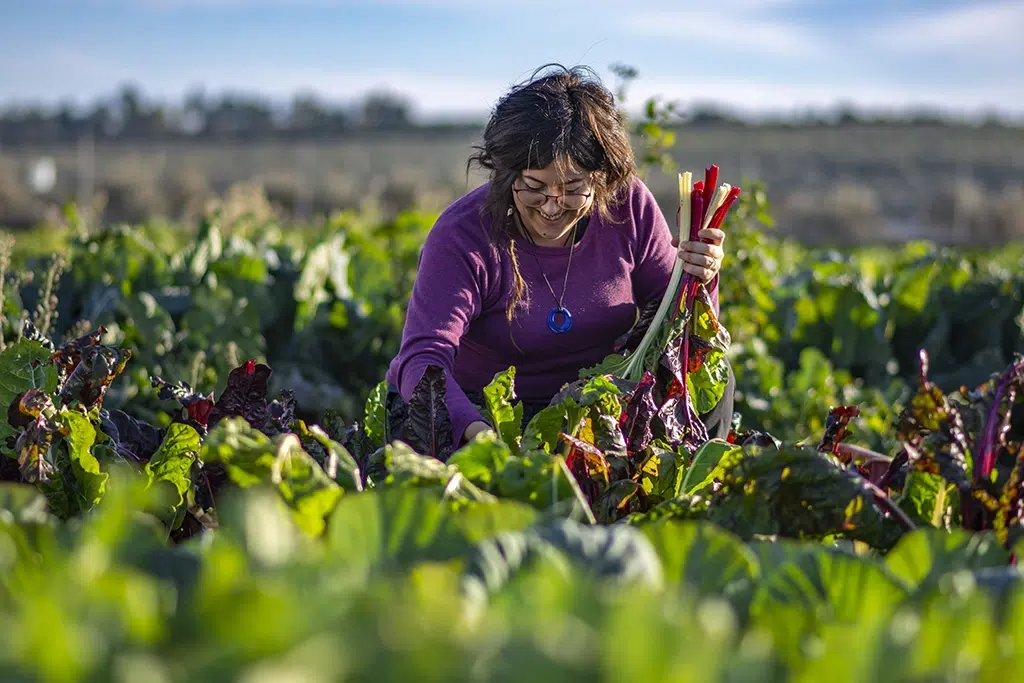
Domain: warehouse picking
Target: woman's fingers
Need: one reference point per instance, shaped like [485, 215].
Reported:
[713, 235]
[705, 275]
[702, 260]
[712, 250]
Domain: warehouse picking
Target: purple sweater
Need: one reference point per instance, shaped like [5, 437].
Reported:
[456, 316]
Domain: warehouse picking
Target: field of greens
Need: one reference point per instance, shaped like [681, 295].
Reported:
[202, 479]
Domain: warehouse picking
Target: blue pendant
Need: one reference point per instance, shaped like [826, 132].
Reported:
[566, 323]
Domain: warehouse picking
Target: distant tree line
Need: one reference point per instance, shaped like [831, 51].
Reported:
[127, 115]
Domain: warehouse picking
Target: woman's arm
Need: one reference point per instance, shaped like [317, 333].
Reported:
[446, 296]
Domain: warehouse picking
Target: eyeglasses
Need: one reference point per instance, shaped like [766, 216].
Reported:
[571, 201]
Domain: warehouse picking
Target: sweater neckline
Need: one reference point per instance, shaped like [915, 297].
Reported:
[556, 252]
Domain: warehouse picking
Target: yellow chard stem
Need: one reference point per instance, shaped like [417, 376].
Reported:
[634, 368]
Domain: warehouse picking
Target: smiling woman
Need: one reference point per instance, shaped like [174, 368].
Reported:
[545, 265]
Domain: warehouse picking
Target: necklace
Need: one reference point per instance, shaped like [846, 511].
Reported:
[559, 309]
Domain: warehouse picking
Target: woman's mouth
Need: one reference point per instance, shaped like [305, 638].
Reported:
[551, 219]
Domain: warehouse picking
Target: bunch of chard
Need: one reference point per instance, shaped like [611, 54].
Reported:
[667, 341]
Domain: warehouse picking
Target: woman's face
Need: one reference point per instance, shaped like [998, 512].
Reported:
[549, 219]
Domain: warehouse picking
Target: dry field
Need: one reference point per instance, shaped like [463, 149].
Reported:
[847, 184]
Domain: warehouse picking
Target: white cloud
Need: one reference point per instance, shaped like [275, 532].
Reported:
[758, 97]
[753, 26]
[978, 29]
[690, 31]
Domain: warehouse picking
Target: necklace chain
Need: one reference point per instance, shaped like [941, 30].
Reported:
[568, 265]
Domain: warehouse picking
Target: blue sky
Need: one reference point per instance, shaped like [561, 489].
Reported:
[456, 57]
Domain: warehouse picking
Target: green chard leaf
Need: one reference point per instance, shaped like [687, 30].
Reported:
[375, 415]
[707, 370]
[482, 459]
[795, 492]
[504, 416]
[705, 462]
[58, 449]
[333, 457]
[170, 467]
[24, 365]
[662, 471]
[252, 458]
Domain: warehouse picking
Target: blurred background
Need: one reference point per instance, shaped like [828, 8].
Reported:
[868, 121]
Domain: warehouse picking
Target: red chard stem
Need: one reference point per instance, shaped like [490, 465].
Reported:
[719, 217]
[710, 184]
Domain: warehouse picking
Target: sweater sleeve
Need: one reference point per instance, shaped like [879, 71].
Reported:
[446, 296]
[655, 254]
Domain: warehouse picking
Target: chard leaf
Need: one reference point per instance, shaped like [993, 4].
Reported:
[912, 284]
[929, 499]
[42, 430]
[640, 410]
[482, 459]
[615, 555]
[923, 556]
[71, 477]
[602, 394]
[68, 355]
[679, 508]
[406, 467]
[542, 431]
[608, 437]
[505, 417]
[88, 383]
[533, 477]
[305, 488]
[600, 391]
[707, 371]
[705, 559]
[131, 439]
[813, 591]
[662, 471]
[333, 457]
[614, 502]
[55, 454]
[24, 365]
[394, 528]
[705, 461]
[197, 407]
[280, 413]
[252, 458]
[645, 316]
[325, 272]
[79, 437]
[244, 396]
[360, 446]
[375, 415]
[248, 455]
[613, 364]
[707, 381]
[795, 492]
[170, 467]
[427, 426]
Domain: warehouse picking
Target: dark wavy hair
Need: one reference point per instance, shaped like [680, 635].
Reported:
[563, 116]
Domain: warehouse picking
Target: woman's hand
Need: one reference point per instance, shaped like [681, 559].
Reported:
[475, 428]
[703, 259]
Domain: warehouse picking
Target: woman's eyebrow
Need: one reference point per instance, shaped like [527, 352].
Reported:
[570, 181]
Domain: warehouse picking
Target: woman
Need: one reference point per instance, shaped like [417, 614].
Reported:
[544, 266]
